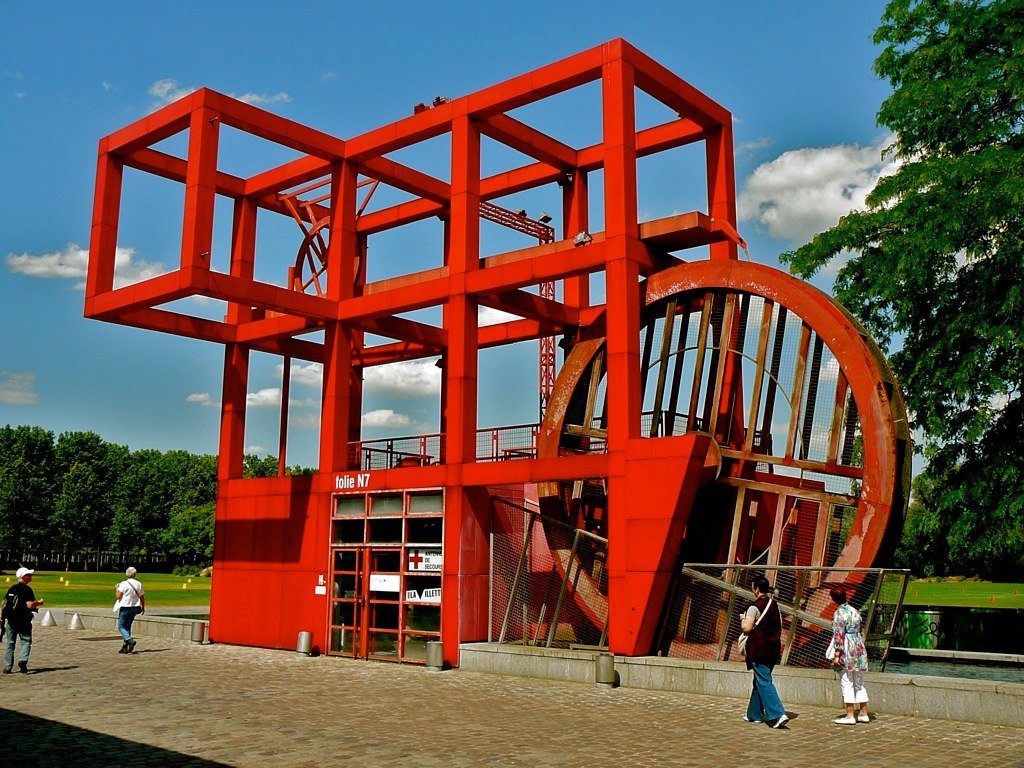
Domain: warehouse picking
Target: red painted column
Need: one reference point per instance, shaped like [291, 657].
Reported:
[200, 188]
[236, 356]
[105, 210]
[343, 249]
[623, 301]
[721, 186]
[466, 525]
[575, 215]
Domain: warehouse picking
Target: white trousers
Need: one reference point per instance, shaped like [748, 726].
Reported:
[852, 682]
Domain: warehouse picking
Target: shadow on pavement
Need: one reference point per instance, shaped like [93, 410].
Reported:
[58, 745]
[98, 639]
[41, 670]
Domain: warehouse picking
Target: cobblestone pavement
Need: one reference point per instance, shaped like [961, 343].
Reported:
[176, 704]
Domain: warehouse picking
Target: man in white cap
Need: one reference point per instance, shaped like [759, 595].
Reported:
[131, 600]
[19, 605]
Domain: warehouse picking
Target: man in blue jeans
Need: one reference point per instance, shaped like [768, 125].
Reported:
[762, 622]
[16, 617]
[131, 599]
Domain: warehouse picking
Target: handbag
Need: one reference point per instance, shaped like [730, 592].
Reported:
[741, 644]
[117, 606]
[830, 652]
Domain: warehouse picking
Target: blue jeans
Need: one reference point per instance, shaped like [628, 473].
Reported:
[765, 703]
[125, 617]
[26, 646]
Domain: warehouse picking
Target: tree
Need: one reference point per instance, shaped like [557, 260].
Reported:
[88, 469]
[937, 264]
[26, 486]
[189, 533]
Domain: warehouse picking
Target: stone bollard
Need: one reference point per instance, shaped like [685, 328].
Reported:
[435, 655]
[76, 622]
[48, 620]
[304, 645]
[604, 670]
[198, 631]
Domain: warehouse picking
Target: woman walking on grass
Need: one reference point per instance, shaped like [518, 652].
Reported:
[850, 658]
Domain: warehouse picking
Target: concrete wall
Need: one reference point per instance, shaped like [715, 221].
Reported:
[979, 701]
[144, 626]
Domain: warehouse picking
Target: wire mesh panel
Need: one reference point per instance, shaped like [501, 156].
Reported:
[549, 583]
[702, 618]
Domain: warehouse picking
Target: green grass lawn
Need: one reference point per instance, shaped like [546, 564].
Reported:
[969, 594]
[97, 589]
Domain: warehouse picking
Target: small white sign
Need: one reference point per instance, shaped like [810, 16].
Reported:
[412, 595]
[425, 560]
[320, 589]
[384, 582]
[431, 595]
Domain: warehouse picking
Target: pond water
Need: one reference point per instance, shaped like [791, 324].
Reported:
[1005, 674]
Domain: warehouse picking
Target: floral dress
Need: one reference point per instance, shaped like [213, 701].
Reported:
[850, 650]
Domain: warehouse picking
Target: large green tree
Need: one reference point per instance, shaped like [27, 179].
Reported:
[27, 483]
[935, 266]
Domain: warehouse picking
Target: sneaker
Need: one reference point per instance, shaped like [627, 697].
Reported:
[845, 720]
[131, 645]
[748, 720]
[23, 667]
[781, 722]
[863, 719]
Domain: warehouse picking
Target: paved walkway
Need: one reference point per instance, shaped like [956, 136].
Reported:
[176, 704]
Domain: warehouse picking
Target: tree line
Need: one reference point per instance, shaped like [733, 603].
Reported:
[76, 492]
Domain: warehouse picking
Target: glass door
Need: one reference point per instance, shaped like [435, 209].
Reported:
[347, 601]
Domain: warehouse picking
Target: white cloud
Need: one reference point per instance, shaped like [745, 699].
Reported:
[20, 94]
[406, 379]
[491, 316]
[311, 374]
[805, 191]
[750, 146]
[203, 399]
[256, 450]
[169, 90]
[166, 91]
[411, 378]
[73, 262]
[385, 417]
[107, 86]
[264, 98]
[328, 76]
[18, 388]
[265, 398]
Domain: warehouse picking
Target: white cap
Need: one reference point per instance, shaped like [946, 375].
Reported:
[23, 572]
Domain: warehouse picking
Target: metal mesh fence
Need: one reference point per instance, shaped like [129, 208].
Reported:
[549, 584]
[702, 616]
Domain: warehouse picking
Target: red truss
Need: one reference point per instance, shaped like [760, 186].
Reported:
[273, 534]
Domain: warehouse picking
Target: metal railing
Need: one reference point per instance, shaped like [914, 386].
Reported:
[701, 619]
[549, 584]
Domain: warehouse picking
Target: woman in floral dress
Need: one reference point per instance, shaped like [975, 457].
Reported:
[851, 658]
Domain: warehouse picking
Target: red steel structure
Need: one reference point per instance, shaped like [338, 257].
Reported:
[657, 475]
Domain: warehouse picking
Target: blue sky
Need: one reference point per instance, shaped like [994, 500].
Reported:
[797, 77]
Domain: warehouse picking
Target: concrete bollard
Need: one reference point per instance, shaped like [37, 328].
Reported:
[198, 631]
[604, 670]
[435, 655]
[76, 622]
[48, 620]
[304, 645]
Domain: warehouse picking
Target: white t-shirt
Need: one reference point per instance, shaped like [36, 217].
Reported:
[131, 593]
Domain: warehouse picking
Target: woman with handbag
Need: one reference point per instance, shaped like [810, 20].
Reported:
[761, 643]
[850, 658]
